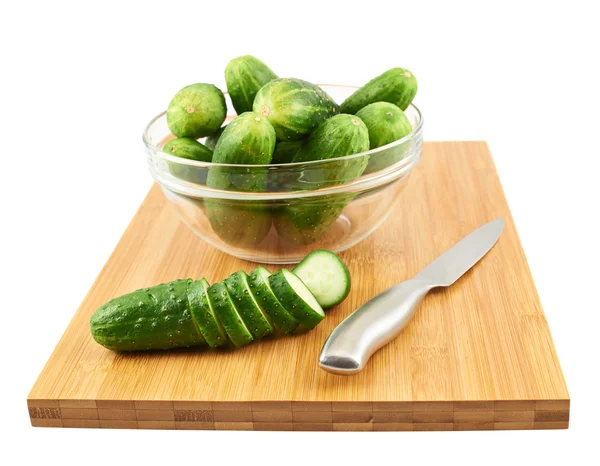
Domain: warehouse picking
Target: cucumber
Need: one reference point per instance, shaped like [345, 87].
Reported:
[326, 276]
[248, 139]
[386, 123]
[238, 223]
[285, 151]
[244, 76]
[297, 299]
[306, 221]
[151, 318]
[220, 301]
[246, 305]
[196, 111]
[268, 302]
[204, 315]
[188, 149]
[211, 141]
[294, 107]
[397, 86]
[239, 309]
[339, 136]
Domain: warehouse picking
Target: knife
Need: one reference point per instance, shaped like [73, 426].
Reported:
[382, 318]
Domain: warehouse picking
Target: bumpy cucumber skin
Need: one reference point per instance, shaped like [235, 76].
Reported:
[196, 111]
[386, 123]
[147, 319]
[293, 303]
[228, 316]
[244, 76]
[294, 107]
[269, 304]
[188, 149]
[304, 270]
[247, 307]
[211, 141]
[397, 86]
[204, 315]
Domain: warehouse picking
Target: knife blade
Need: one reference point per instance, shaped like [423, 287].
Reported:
[382, 318]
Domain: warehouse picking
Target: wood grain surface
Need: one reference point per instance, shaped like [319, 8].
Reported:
[476, 356]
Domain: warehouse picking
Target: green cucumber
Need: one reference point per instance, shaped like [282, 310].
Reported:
[248, 139]
[239, 309]
[306, 221]
[204, 315]
[244, 76]
[188, 149]
[296, 298]
[397, 86]
[196, 111]
[386, 123]
[224, 309]
[337, 137]
[211, 141]
[268, 302]
[285, 151]
[238, 223]
[151, 318]
[326, 276]
[246, 305]
[294, 107]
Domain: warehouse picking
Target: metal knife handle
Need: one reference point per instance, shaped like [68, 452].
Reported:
[371, 326]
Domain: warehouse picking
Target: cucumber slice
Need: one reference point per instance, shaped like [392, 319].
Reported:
[203, 314]
[269, 304]
[246, 305]
[297, 299]
[326, 276]
[225, 311]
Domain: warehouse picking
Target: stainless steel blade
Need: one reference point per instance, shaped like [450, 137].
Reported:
[451, 265]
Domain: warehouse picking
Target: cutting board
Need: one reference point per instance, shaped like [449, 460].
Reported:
[476, 356]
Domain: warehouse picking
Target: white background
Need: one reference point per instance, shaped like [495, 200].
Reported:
[80, 80]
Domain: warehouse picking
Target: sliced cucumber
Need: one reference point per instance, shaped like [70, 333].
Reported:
[296, 298]
[204, 315]
[246, 305]
[225, 311]
[326, 276]
[269, 304]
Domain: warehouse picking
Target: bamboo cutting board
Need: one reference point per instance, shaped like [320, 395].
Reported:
[476, 356]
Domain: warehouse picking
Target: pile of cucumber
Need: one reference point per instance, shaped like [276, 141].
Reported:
[284, 120]
[238, 310]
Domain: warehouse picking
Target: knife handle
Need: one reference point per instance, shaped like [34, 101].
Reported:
[371, 326]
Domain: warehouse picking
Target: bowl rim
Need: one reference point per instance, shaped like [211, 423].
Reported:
[195, 163]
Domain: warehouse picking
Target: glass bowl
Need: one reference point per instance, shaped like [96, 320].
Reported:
[279, 213]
